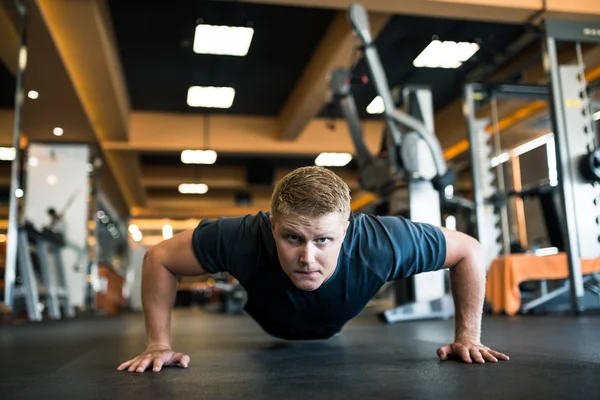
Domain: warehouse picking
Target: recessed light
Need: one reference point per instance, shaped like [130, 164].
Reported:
[445, 54]
[210, 96]
[376, 106]
[7, 153]
[167, 231]
[222, 40]
[333, 159]
[193, 188]
[198, 156]
[32, 94]
[58, 131]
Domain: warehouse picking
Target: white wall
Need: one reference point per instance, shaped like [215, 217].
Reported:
[59, 175]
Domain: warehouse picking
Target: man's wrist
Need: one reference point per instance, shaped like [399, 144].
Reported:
[153, 346]
[472, 335]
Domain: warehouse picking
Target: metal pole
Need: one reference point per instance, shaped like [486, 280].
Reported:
[500, 180]
[15, 184]
[565, 182]
[476, 166]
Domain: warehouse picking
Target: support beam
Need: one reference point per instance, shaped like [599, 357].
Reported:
[82, 32]
[311, 91]
[517, 11]
[238, 134]
[177, 212]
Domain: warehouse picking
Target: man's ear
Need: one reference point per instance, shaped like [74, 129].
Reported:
[272, 220]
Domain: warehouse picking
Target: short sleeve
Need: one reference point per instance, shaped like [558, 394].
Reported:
[228, 245]
[415, 247]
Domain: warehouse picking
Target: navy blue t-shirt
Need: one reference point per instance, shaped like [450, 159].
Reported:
[376, 249]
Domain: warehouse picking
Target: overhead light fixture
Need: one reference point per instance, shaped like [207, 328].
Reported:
[193, 188]
[222, 40]
[596, 116]
[7, 153]
[58, 131]
[32, 94]
[198, 156]
[19, 193]
[33, 161]
[137, 236]
[210, 96]
[333, 159]
[449, 54]
[167, 231]
[376, 106]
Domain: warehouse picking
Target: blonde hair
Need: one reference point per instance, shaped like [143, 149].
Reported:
[311, 192]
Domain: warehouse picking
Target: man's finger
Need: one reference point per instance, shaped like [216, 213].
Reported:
[463, 353]
[499, 355]
[488, 357]
[184, 361]
[125, 365]
[143, 364]
[443, 353]
[135, 364]
[476, 356]
[174, 359]
[158, 363]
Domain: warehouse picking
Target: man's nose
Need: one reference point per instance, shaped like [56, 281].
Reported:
[307, 256]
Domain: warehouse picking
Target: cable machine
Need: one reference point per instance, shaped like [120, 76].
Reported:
[410, 159]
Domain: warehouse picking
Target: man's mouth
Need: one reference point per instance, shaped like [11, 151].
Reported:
[308, 273]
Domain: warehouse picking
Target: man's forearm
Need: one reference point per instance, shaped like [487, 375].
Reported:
[468, 289]
[159, 287]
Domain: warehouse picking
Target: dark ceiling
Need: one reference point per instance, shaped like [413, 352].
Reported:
[8, 85]
[155, 43]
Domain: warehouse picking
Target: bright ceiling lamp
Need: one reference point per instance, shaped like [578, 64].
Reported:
[210, 96]
[376, 106]
[7, 153]
[445, 54]
[222, 40]
[193, 188]
[198, 156]
[167, 231]
[333, 159]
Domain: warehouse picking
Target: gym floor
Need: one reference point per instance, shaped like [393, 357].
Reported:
[551, 357]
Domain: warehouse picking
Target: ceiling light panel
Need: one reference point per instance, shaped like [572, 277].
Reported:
[222, 40]
[210, 96]
[445, 54]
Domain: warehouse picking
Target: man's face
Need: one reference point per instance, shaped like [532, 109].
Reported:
[308, 249]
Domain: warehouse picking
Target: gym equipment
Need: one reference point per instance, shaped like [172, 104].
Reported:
[410, 156]
[577, 156]
[41, 273]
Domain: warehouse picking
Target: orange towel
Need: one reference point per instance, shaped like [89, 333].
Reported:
[506, 273]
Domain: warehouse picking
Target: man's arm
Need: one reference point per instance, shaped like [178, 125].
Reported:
[465, 259]
[162, 264]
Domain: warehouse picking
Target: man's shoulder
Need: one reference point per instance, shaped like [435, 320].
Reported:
[259, 220]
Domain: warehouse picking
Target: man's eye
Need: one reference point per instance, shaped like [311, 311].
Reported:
[293, 238]
[322, 240]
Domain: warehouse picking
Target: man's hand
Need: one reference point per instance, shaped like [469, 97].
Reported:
[157, 357]
[470, 350]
